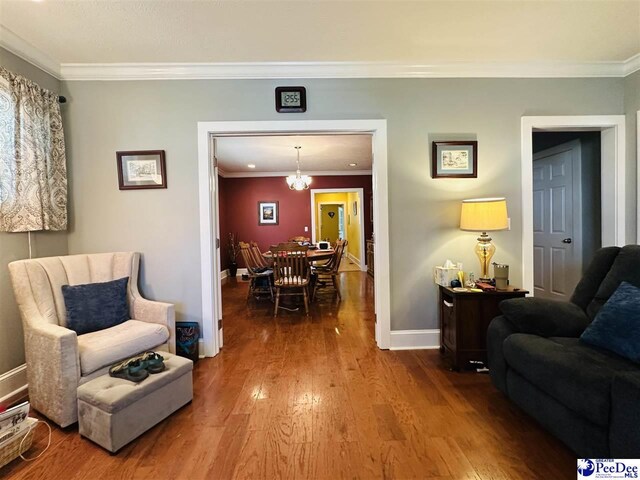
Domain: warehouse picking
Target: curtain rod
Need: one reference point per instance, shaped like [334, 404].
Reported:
[62, 99]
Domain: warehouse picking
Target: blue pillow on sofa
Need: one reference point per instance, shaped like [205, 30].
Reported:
[96, 306]
[616, 327]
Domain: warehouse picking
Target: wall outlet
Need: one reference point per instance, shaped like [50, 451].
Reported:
[306, 229]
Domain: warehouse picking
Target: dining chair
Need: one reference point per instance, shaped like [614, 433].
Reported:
[257, 255]
[256, 272]
[291, 273]
[329, 271]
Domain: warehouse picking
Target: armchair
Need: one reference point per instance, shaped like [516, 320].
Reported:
[586, 396]
[59, 360]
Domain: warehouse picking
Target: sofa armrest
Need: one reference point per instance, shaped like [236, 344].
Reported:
[53, 371]
[156, 312]
[546, 318]
[624, 428]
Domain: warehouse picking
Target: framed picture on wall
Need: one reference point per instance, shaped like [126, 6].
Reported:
[355, 208]
[141, 169]
[454, 159]
[268, 213]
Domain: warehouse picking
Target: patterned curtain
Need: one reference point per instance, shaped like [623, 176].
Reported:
[33, 172]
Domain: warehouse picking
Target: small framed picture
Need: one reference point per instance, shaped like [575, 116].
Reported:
[141, 169]
[454, 159]
[355, 208]
[267, 213]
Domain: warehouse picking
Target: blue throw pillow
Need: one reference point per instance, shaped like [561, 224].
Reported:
[617, 324]
[96, 306]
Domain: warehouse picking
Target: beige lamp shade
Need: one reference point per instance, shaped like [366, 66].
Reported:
[484, 214]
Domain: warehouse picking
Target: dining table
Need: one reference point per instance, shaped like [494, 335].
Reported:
[315, 255]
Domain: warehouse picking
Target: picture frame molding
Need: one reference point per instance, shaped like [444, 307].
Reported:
[457, 143]
[163, 169]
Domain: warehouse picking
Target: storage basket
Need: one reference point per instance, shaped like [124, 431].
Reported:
[15, 446]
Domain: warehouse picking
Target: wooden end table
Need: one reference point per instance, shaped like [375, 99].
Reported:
[464, 319]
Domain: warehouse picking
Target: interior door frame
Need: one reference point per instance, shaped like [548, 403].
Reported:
[576, 190]
[360, 192]
[341, 204]
[612, 178]
[210, 270]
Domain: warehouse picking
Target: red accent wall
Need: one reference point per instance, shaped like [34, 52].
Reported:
[238, 206]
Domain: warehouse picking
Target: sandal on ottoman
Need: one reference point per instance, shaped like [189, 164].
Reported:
[113, 411]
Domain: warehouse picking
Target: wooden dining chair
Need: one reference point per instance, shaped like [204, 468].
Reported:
[257, 255]
[291, 273]
[329, 271]
[256, 273]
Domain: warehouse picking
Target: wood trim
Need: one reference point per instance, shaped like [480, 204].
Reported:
[613, 164]
[358, 190]
[311, 173]
[210, 273]
[13, 385]
[289, 70]
[426, 339]
[19, 47]
[304, 70]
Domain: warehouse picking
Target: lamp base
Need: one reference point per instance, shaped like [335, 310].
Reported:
[484, 250]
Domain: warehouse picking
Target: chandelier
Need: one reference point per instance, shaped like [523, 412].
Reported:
[298, 181]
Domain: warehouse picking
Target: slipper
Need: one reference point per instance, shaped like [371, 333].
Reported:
[129, 370]
[155, 362]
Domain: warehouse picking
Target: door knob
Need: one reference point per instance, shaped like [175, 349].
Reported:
[567, 240]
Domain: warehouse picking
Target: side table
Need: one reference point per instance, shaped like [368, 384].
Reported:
[464, 319]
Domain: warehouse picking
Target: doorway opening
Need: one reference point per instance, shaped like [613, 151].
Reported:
[354, 224]
[551, 262]
[209, 213]
[566, 209]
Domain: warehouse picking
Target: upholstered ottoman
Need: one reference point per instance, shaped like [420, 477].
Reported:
[113, 411]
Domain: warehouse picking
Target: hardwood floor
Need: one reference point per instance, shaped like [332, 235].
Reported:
[312, 397]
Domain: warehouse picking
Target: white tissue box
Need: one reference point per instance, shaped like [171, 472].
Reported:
[443, 275]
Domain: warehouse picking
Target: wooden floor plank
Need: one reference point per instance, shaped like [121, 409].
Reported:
[312, 397]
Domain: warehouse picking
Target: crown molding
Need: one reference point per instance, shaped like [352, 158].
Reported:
[291, 70]
[322, 173]
[632, 65]
[16, 45]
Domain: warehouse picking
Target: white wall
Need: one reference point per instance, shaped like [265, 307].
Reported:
[103, 117]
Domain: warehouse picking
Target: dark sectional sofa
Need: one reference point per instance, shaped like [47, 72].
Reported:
[586, 396]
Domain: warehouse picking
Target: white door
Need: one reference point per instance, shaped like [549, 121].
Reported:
[557, 223]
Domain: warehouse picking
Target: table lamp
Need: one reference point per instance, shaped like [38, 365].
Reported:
[484, 215]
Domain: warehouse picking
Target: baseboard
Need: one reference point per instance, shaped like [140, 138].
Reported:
[415, 339]
[13, 384]
[225, 273]
[355, 261]
[201, 348]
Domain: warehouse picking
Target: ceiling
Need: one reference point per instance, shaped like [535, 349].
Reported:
[276, 154]
[412, 33]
